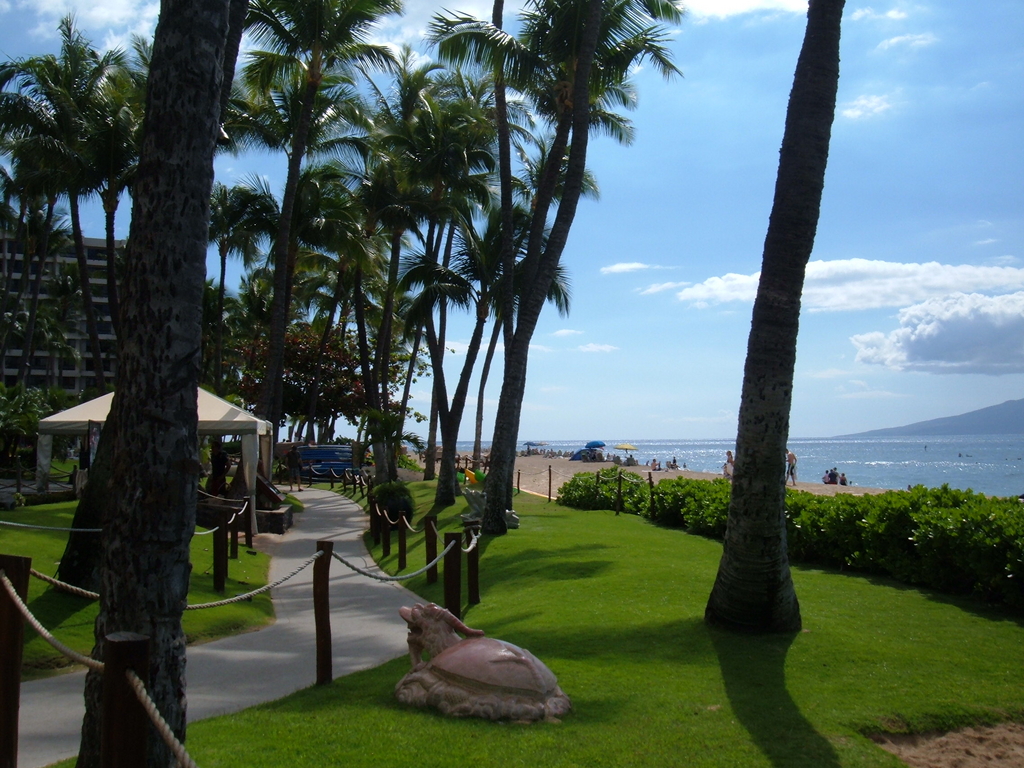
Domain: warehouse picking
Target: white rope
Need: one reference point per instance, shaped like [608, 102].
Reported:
[51, 528]
[203, 533]
[260, 591]
[403, 577]
[64, 585]
[43, 633]
[384, 514]
[158, 721]
[472, 543]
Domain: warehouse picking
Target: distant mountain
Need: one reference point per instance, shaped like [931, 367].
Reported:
[1004, 419]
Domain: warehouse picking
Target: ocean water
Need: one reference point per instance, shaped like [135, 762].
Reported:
[988, 464]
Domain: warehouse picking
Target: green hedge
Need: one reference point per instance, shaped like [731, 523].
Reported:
[954, 541]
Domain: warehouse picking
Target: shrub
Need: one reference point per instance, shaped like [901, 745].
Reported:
[951, 540]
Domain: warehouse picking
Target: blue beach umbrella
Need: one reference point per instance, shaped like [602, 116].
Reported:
[595, 444]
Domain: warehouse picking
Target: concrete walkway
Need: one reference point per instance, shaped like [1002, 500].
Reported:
[237, 672]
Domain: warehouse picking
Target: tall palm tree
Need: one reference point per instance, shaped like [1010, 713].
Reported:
[567, 57]
[241, 218]
[151, 432]
[49, 113]
[316, 38]
[753, 590]
[115, 123]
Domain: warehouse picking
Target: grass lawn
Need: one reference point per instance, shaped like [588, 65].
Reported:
[615, 607]
[71, 618]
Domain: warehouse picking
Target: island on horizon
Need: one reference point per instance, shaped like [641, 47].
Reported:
[1003, 419]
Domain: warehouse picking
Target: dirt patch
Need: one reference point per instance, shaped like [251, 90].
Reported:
[979, 747]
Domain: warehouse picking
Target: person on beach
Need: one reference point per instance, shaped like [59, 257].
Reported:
[294, 468]
[842, 479]
[729, 465]
[791, 466]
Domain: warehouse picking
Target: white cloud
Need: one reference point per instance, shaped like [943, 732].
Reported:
[1004, 261]
[540, 348]
[567, 332]
[960, 333]
[856, 284]
[632, 266]
[597, 348]
[873, 15]
[911, 41]
[866, 106]
[987, 241]
[659, 287]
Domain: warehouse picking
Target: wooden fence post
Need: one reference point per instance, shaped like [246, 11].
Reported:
[473, 564]
[234, 526]
[519, 477]
[430, 531]
[220, 550]
[125, 724]
[12, 638]
[374, 520]
[385, 533]
[250, 515]
[453, 574]
[322, 613]
[650, 504]
[401, 543]
[549, 482]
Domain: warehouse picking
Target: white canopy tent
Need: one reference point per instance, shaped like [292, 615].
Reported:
[216, 417]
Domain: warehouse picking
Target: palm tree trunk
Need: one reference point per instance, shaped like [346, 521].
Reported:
[451, 418]
[314, 385]
[218, 355]
[113, 305]
[484, 374]
[155, 447]
[282, 299]
[753, 590]
[28, 346]
[535, 290]
[88, 309]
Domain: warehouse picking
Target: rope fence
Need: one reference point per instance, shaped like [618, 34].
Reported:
[43, 633]
[63, 585]
[259, 591]
[176, 747]
[385, 577]
[132, 709]
[51, 527]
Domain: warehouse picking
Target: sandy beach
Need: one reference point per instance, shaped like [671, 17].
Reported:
[532, 476]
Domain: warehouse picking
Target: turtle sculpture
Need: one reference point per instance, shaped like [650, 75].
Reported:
[477, 676]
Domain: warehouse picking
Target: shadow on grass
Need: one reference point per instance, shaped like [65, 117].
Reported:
[964, 602]
[549, 564]
[754, 671]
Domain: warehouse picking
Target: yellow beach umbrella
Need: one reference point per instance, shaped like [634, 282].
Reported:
[625, 447]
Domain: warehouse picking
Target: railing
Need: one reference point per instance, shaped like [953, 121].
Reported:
[126, 703]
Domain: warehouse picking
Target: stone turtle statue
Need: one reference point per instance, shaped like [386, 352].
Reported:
[477, 676]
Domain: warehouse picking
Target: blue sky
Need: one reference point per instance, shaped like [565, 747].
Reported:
[914, 301]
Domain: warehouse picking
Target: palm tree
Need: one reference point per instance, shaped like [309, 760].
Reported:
[114, 125]
[240, 219]
[317, 38]
[567, 57]
[753, 590]
[49, 114]
[151, 430]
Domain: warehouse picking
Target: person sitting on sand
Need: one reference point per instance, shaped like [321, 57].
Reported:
[729, 465]
[842, 479]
